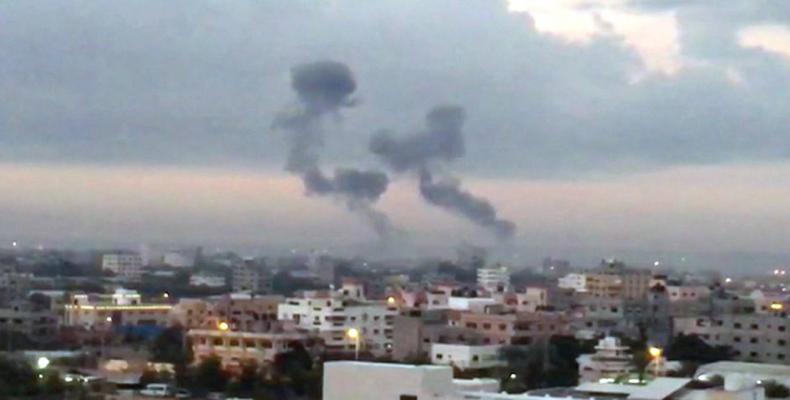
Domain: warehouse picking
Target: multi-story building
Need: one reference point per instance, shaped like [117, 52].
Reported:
[753, 337]
[122, 308]
[37, 325]
[235, 348]
[123, 264]
[209, 281]
[415, 331]
[331, 315]
[511, 328]
[613, 279]
[530, 299]
[493, 279]
[248, 276]
[573, 281]
[13, 284]
[241, 311]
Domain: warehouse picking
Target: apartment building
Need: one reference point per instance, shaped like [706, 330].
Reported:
[123, 307]
[241, 311]
[511, 328]
[494, 279]
[417, 330]
[753, 337]
[330, 315]
[13, 284]
[247, 276]
[530, 299]
[235, 348]
[39, 326]
[123, 264]
[612, 279]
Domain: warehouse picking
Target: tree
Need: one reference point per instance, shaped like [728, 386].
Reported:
[16, 378]
[775, 390]
[210, 375]
[170, 346]
[693, 349]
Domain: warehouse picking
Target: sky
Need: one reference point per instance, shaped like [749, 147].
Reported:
[632, 128]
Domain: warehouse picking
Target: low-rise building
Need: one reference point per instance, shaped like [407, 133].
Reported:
[465, 356]
[122, 308]
[493, 279]
[610, 361]
[241, 311]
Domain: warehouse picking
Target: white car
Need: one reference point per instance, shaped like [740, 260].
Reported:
[158, 390]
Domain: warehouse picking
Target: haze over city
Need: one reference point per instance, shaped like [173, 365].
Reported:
[637, 129]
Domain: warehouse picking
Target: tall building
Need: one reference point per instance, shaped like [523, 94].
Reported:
[13, 285]
[123, 264]
[248, 276]
[494, 279]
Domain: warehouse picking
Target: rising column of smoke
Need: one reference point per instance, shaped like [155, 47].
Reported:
[441, 141]
[323, 89]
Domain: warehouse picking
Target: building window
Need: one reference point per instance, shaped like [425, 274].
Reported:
[407, 397]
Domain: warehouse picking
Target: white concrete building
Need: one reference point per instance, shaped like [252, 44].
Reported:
[611, 360]
[573, 281]
[348, 380]
[332, 315]
[124, 265]
[178, 259]
[465, 356]
[493, 279]
[753, 337]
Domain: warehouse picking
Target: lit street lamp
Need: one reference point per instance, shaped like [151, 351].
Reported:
[353, 334]
[42, 362]
[655, 352]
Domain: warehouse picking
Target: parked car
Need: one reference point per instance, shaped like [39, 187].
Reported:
[183, 394]
[158, 390]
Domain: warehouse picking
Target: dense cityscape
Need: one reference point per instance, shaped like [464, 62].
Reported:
[188, 323]
[394, 199]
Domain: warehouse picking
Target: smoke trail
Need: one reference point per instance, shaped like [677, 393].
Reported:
[325, 88]
[441, 141]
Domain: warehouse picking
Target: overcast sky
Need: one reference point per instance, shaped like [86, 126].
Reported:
[600, 127]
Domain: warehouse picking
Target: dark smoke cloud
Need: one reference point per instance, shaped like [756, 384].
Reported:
[324, 88]
[448, 194]
[441, 141]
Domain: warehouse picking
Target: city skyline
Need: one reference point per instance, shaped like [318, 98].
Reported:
[594, 137]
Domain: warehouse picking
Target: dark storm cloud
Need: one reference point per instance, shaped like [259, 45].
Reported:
[441, 141]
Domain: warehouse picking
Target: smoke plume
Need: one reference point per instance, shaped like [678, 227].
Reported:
[441, 141]
[324, 89]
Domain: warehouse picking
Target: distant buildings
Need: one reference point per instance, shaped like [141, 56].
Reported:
[753, 337]
[493, 279]
[123, 264]
[250, 277]
[209, 281]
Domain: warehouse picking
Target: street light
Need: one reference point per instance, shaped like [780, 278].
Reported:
[42, 362]
[655, 352]
[166, 295]
[353, 334]
[223, 326]
[391, 300]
